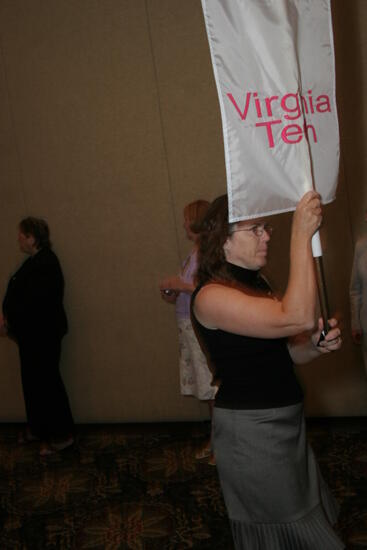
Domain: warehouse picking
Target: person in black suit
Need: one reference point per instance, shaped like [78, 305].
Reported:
[34, 316]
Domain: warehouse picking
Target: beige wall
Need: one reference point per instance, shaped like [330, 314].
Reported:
[110, 125]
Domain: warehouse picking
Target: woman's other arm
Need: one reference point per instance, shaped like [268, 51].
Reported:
[177, 284]
[305, 347]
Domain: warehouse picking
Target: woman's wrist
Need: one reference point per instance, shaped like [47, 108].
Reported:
[187, 287]
[316, 350]
[300, 240]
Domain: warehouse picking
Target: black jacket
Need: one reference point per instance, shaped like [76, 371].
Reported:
[33, 303]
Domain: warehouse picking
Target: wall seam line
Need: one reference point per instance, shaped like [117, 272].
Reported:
[11, 116]
[169, 176]
[164, 141]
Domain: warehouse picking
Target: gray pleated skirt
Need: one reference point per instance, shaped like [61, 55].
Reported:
[274, 493]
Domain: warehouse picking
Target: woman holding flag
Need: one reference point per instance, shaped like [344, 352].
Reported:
[274, 494]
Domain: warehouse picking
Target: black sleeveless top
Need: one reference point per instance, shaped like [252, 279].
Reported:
[254, 373]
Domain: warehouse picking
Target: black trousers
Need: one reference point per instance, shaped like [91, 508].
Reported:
[46, 401]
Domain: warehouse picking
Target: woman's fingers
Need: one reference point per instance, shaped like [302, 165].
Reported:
[166, 283]
[308, 214]
[333, 340]
[310, 198]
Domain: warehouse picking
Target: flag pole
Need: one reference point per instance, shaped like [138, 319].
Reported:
[321, 285]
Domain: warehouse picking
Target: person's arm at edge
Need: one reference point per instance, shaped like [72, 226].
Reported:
[3, 327]
[355, 295]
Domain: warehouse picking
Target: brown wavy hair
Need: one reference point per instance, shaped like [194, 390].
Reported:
[195, 212]
[38, 228]
[214, 231]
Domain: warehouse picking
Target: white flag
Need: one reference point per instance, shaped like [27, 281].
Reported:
[274, 68]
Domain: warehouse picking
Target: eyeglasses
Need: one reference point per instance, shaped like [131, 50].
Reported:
[257, 229]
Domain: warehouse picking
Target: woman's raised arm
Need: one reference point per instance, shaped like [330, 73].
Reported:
[218, 306]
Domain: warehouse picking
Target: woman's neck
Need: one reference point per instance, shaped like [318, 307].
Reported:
[242, 266]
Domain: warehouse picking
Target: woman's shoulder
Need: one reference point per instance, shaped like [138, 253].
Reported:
[215, 292]
[46, 255]
[191, 259]
[213, 286]
[46, 262]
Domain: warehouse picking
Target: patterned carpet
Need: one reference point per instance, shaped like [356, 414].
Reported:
[138, 487]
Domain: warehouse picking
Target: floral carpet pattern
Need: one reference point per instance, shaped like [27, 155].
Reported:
[140, 488]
